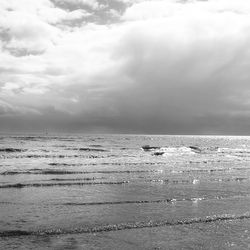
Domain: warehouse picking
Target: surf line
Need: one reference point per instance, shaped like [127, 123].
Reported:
[125, 226]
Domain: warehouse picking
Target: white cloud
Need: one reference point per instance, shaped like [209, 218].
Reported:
[168, 8]
[29, 25]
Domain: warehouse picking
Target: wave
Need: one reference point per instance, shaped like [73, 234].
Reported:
[237, 179]
[107, 164]
[159, 153]
[169, 200]
[127, 226]
[167, 181]
[119, 202]
[136, 201]
[76, 179]
[168, 151]
[173, 200]
[47, 137]
[52, 156]
[27, 138]
[178, 150]
[12, 150]
[149, 148]
[24, 185]
[40, 171]
[196, 181]
[234, 150]
[65, 164]
[63, 172]
[213, 161]
[89, 149]
[137, 163]
[210, 170]
[74, 183]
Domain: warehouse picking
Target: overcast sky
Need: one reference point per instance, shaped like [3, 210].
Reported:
[125, 66]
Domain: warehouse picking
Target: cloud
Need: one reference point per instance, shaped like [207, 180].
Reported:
[29, 27]
[90, 3]
[9, 110]
[164, 67]
[23, 31]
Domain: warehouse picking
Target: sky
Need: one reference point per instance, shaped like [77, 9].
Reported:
[125, 66]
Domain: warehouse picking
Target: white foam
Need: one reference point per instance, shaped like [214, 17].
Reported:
[174, 151]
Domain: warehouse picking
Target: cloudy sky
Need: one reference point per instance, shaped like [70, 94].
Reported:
[125, 66]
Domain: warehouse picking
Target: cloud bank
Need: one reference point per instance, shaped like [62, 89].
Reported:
[174, 67]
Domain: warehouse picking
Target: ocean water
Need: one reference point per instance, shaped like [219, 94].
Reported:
[124, 192]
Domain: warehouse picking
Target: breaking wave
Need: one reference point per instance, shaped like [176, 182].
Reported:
[183, 150]
[127, 226]
[168, 151]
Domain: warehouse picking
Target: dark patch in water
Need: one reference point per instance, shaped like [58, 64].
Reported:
[195, 149]
[7, 203]
[92, 149]
[65, 164]
[158, 153]
[9, 233]
[12, 150]
[241, 179]
[126, 226]
[22, 185]
[149, 148]
[66, 139]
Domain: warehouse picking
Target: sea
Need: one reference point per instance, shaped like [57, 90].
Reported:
[78, 191]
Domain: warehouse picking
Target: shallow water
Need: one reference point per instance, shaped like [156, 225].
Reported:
[106, 192]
